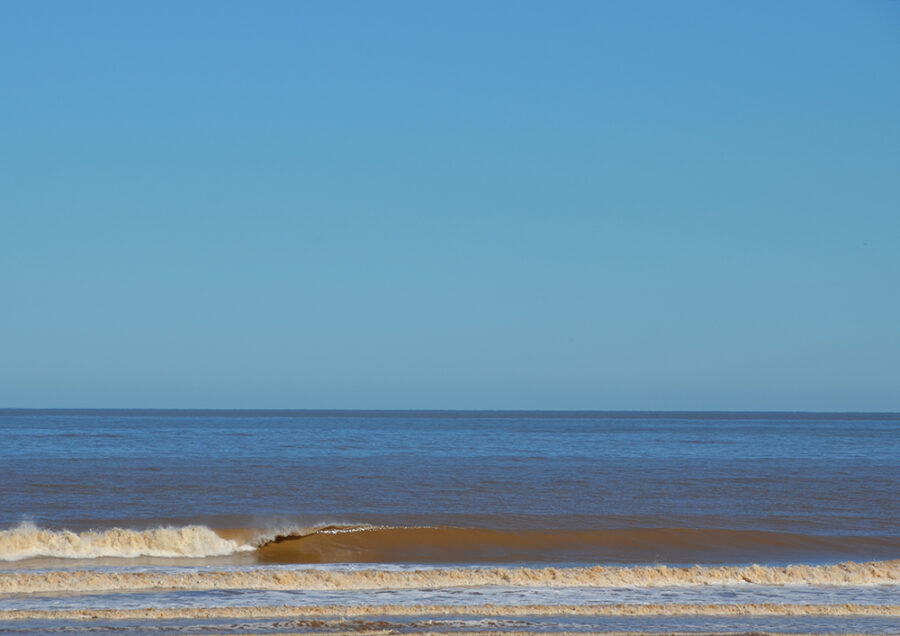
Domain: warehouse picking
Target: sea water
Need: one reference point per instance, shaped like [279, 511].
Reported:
[548, 521]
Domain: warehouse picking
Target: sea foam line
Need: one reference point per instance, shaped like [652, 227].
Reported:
[28, 541]
[286, 611]
[844, 574]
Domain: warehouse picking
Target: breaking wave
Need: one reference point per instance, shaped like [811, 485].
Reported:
[336, 543]
[261, 578]
[27, 541]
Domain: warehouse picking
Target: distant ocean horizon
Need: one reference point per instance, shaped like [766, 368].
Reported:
[562, 412]
[550, 515]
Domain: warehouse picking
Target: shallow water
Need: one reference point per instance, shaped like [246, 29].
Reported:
[444, 624]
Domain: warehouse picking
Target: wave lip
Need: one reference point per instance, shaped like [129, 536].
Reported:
[262, 537]
[27, 541]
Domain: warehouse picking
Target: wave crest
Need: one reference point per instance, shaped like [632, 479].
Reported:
[28, 541]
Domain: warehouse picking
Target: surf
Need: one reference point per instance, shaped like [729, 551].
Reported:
[363, 543]
[27, 541]
[261, 578]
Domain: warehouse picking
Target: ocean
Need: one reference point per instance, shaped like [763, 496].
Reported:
[443, 521]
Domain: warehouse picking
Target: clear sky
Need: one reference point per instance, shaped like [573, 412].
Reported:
[548, 205]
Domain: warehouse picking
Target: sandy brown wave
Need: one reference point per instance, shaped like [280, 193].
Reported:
[737, 609]
[876, 572]
[360, 544]
[441, 544]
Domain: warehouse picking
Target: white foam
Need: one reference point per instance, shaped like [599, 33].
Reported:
[28, 541]
[89, 580]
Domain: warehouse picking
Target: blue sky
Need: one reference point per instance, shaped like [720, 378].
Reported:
[574, 205]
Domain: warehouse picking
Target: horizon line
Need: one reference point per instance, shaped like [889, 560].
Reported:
[268, 410]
